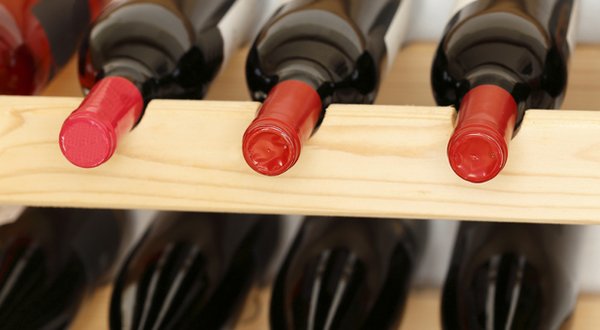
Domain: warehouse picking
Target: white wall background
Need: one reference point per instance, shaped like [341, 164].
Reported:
[430, 16]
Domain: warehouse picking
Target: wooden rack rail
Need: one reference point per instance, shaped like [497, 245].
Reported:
[386, 161]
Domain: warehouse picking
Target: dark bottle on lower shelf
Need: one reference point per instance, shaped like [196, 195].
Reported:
[193, 271]
[347, 273]
[512, 276]
[51, 258]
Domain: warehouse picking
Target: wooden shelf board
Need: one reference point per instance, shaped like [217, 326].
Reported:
[186, 155]
[388, 161]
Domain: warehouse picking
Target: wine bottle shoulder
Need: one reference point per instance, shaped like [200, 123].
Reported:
[501, 38]
[167, 49]
[154, 34]
[520, 47]
[323, 45]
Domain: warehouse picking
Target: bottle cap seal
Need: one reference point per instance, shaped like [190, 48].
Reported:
[89, 136]
[273, 142]
[478, 148]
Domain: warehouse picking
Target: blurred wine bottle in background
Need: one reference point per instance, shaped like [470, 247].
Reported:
[194, 271]
[37, 38]
[512, 276]
[347, 273]
[51, 258]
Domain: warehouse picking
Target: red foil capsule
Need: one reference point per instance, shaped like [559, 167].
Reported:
[90, 135]
[273, 142]
[478, 149]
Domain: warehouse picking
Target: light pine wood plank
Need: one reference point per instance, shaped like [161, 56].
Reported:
[387, 161]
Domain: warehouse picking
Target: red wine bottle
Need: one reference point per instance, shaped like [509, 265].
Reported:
[309, 55]
[37, 38]
[140, 50]
[498, 58]
[193, 271]
[512, 276]
[50, 259]
[345, 273]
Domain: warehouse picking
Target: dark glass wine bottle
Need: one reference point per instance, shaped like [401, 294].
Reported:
[50, 259]
[193, 271]
[512, 276]
[140, 50]
[498, 58]
[346, 273]
[37, 38]
[309, 55]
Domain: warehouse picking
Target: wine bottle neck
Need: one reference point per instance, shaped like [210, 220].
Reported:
[506, 79]
[497, 75]
[134, 71]
[491, 74]
[310, 73]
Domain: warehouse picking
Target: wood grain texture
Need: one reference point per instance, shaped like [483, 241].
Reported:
[388, 161]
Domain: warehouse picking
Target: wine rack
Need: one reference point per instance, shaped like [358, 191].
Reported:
[383, 160]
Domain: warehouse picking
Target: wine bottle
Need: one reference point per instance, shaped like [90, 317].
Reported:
[309, 55]
[345, 273]
[193, 271]
[498, 58]
[50, 259]
[37, 38]
[141, 50]
[512, 276]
